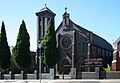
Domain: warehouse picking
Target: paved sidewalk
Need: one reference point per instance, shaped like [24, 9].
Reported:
[60, 81]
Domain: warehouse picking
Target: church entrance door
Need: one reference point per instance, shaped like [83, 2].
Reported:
[66, 67]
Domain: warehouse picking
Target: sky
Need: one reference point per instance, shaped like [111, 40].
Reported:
[102, 17]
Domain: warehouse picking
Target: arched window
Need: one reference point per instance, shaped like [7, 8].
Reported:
[81, 47]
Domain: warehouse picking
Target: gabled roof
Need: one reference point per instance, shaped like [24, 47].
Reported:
[59, 27]
[114, 43]
[45, 9]
[96, 40]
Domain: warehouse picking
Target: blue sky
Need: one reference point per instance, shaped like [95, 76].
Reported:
[102, 17]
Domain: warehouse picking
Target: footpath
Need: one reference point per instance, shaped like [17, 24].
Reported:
[61, 81]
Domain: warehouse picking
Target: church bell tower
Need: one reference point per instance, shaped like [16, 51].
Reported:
[43, 16]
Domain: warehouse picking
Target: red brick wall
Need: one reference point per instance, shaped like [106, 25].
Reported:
[118, 46]
[116, 65]
[118, 57]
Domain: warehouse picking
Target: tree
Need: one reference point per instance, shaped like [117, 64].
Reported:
[21, 51]
[5, 54]
[50, 56]
[108, 69]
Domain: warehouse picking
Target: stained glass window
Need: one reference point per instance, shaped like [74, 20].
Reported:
[66, 42]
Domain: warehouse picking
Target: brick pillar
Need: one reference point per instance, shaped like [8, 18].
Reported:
[73, 73]
[118, 57]
[89, 50]
[118, 46]
[73, 50]
[88, 57]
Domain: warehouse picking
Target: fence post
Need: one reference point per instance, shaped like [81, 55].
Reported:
[24, 75]
[51, 73]
[11, 75]
[1, 75]
[35, 73]
[97, 70]
[73, 73]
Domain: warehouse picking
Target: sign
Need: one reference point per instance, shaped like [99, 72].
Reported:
[94, 61]
[41, 50]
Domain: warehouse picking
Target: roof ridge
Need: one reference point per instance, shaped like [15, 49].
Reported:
[46, 9]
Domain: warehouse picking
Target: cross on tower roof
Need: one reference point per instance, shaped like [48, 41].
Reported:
[65, 9]
[45, 5]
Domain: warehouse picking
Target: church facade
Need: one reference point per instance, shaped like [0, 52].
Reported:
[78, 48]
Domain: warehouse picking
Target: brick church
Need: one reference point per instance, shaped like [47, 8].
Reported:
[116, 56]
[78, 48]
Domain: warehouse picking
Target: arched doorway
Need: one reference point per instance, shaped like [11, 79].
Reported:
[81, 65]
[66, 67]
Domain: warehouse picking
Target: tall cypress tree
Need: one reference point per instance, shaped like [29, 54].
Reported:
[21, 51]
[49, 43]
[5, 55]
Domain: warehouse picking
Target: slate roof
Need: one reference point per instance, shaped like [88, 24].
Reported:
[114, 43]
[45, 9]
[97, 40]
